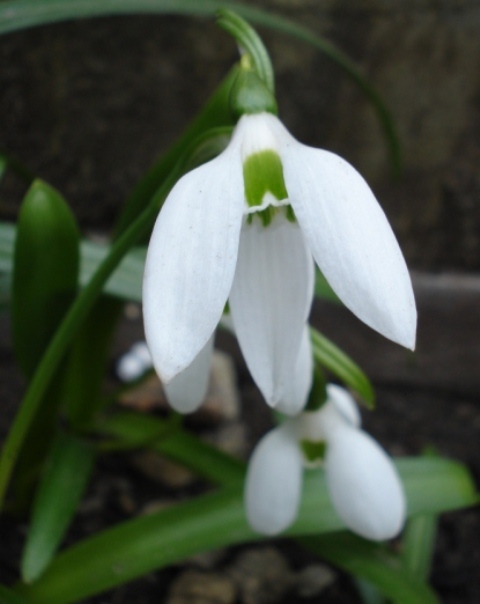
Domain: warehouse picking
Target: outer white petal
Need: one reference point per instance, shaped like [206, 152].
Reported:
[297, 389]
[270, 300]
[191, 262]
[345, 404]
[187, 390]
[350, 239]
[364, 485]
[274, 482]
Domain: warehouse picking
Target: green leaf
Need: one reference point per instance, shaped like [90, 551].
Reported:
[45, 274]
[139, 430]
[7, 596]
[87, 363]
[418, 543]
[3, 165]
[75, 317]
[368, 592]
[337, 362]
[59, 492]
[21, 14]
[374, 563]
[8, 232]
[125, 283]
[45, 277]
[216, 520]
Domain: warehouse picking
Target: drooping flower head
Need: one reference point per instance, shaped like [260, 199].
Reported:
[362, 481]
[243, 228]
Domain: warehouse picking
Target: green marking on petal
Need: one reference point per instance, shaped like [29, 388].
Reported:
[314, 451]
[290, 214]
[263, 174]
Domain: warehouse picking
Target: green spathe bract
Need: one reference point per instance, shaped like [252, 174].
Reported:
[250, 95]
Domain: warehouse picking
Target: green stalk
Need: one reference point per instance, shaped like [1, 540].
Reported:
[84, 303]
[139, 430]
[65, 334]
[329, 356]
[22, 14]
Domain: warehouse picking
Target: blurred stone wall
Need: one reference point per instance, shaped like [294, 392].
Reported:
[89, 104]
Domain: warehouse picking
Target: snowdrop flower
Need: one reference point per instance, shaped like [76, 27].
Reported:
[243, 228]
[364, 486]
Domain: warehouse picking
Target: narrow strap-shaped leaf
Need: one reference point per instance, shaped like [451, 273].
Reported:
[418, 539]
[7, 596]
[341, 365]
[45, 273]
[45, 278]
[8, 232]
[88, 361]
[418, 544]
[56, 501]
[139, 430]
[368, 592]
[77, 314]
[215, 520]
[372, 562]
[3, 165]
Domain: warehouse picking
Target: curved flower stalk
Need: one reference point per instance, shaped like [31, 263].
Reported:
[243, 228]
[364, 487]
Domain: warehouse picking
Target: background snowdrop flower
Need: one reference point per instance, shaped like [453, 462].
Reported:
[364, 486]
[134, 363]
[243, 228]
[186, 391]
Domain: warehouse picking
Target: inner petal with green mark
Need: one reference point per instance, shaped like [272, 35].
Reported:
[314, 451]
[265, 189]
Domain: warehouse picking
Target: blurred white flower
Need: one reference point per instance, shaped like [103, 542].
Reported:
[134, 363]
[362, 481]
[186, 391]
[243, 228]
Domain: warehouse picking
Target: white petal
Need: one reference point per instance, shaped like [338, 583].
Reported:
[256, 133]
[270, 300]
[364, 485]
[191, 262]
[297, 389]
[345, 404]
[274, 482]
[186, 392]
[351, 240]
